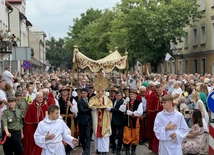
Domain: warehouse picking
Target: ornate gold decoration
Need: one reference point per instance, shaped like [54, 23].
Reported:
[100, 82]
[113, 60]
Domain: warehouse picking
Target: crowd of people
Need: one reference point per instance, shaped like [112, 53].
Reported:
[51, 113]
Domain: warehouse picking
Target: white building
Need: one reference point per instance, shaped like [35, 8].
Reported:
[37, 42]
[5, 11]
[13, 18]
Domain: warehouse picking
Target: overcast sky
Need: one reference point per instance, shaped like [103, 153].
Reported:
[55, 16]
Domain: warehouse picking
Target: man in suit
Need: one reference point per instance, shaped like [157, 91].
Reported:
[117, 123]
[90, 91]
[84, 121]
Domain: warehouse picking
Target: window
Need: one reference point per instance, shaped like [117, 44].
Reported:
[203, 34]
[195, 66]
[168, 67]
[203, 5]
[186, 40]
[195, 37]
[173, 67]
[180, 66]
[203, 68]
[162, 68]
[186, 66]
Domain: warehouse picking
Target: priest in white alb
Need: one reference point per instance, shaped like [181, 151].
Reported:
[51, 132]
[170, 128]
[101, 116]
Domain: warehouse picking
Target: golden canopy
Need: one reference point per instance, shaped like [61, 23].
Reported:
[107, 63]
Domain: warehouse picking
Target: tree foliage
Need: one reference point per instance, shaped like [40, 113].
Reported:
[147, 27]
[95, 37]
[56, 53]
[79, 25]
[144, 28]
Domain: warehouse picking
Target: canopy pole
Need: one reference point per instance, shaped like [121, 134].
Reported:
[72, 79]
[121, 89]
[78, 87]
[110, 81]
[126, 53]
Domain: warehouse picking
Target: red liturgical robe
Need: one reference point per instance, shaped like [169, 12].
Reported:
[154, 106]
[33, 116]
[50, 100]
[99, 125]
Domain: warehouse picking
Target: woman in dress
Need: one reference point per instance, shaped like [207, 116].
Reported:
[195, 141]
[198, 104]
[203, 94]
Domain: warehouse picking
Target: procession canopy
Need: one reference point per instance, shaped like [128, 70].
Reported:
[108, 63]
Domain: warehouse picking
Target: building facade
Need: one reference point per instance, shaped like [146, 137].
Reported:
[195, 54]
[5, 46]
[14, 20]
[37, 42]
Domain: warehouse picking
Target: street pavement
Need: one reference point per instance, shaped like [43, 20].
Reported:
[141, 150]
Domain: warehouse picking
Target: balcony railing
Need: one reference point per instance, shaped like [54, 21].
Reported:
[177, 52]
[5, 46]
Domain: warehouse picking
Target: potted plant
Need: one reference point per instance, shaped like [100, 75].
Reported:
[6, 38]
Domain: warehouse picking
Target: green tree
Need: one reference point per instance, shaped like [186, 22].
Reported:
[79, 25]
[146, 29]
[95, 37]
[57, 54]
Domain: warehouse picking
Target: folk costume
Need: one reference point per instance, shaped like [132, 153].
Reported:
[100, 116]
[131, 128]
[72, 113]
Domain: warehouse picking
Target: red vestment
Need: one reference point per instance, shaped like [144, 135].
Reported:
[50, 100]
[33, 116]
[147, 96]
[153, 107]
[138, 97]
[100, 118]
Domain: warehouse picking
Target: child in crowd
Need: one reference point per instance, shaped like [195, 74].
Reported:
[12, 123]
[185, 111]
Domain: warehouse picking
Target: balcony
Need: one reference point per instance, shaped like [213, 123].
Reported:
[177, 51]
[5, 46]
[7, 41]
